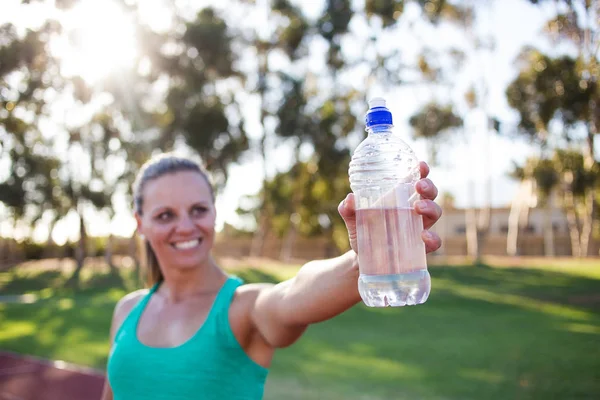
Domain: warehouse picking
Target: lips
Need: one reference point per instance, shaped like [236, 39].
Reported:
[186, 245]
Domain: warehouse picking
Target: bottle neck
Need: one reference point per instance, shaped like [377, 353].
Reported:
[379, 129]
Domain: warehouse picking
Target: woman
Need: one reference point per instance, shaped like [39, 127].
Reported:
[199, 333]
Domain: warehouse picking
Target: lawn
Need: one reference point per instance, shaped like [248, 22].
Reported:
[485, 332]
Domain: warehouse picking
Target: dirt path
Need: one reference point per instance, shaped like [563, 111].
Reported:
[29, 378]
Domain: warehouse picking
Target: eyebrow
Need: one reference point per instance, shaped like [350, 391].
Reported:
[168, 208]
[201, 203]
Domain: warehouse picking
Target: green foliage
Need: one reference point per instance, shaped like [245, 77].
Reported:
[332, 24]
[196, 112]
[209, 35]
[388, 11]
[546, 176]
[548, 88]
[291, 35]
[570, 165]
[335, 19]
[440, 10]
[189, 87]
[564, 172]
[433, 120]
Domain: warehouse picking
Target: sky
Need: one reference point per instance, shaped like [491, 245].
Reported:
[464, 166]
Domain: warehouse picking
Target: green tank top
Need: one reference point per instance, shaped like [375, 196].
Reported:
[210, 365]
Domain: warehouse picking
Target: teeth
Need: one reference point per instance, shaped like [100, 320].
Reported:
[187, 245]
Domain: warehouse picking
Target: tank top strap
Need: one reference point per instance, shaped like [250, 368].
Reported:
[131, 321]
[221, 308]
[136, 312]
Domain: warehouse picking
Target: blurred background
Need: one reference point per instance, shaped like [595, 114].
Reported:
[498, 97]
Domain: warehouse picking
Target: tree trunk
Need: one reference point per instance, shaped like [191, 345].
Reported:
[483, 228]
[549, 228]
[573, 231]
[471, 232]
[108, 255]
[515, 217]
[477, 227]
[80, 252]
[590, 198]
[587, 223]
[52, 250]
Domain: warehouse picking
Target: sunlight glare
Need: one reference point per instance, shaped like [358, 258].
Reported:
[101, 40]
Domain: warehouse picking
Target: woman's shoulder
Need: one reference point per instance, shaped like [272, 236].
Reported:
[250, 291]
[124, 307]
[127, 302]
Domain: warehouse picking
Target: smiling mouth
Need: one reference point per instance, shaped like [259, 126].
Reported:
[190, 244]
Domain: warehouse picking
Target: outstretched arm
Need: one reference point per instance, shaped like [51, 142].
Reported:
[323, 289]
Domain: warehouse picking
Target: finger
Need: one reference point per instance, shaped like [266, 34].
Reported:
[427, 189]
[424, 169]
[430, 211]
[347, 210]
[432, 241]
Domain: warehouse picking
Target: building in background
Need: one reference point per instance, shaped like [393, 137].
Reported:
[452, 229]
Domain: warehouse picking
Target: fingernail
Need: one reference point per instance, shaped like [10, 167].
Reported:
[428, 235]
[421, 205]
[424, 185]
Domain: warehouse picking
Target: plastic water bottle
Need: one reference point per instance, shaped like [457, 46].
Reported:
[391, 253]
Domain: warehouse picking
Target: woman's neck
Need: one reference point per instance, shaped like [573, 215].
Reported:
[179, 284]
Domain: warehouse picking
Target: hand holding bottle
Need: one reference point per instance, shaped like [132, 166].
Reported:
[426, 207]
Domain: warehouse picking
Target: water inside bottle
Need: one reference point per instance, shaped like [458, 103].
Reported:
[393, 264]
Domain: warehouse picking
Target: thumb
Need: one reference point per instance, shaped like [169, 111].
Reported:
[347, 211]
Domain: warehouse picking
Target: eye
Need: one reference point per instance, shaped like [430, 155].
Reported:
[164, 216]
[199, 210]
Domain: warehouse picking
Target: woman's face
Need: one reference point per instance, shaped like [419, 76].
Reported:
[178, 219]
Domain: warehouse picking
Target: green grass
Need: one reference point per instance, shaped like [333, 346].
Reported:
[485, 332]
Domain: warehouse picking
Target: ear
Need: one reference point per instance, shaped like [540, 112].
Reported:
[138, 220]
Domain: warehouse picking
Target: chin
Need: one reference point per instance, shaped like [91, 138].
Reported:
[191, 262]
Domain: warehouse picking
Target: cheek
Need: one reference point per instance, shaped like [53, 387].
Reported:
[158, 232]
[208, 223]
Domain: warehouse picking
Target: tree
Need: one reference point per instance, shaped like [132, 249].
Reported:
[321, 110]
[538, 182]
[564, 173]
[287, 38]
[432, 123]
[27, 190]
[575, 94]
[100, 156]
[549, 90]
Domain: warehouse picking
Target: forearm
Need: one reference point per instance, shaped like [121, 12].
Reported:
[321, 290]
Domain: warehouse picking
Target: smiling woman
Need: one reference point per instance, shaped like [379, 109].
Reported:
[99, 39]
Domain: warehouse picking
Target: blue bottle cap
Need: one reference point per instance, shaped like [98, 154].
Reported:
[378, 113]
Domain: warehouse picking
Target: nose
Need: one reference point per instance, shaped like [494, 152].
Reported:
[185, 225]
